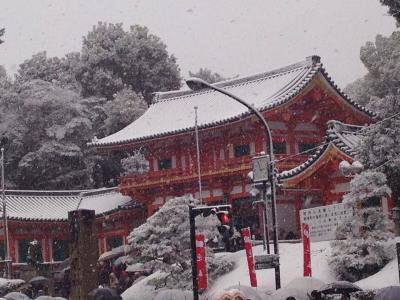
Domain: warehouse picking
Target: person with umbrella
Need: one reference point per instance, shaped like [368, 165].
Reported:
[339, 287]
[104, 294]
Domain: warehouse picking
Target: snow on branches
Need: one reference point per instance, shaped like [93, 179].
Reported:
[163, 243]
[135, 163]
[364, 248]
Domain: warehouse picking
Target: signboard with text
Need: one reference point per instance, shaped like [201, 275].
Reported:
[261, 168]
[323, 220]
[267, 261]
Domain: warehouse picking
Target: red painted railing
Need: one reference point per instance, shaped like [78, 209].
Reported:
[219, 168]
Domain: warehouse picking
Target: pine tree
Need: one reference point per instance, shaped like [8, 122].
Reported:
[163, 243]
[379, 89]
[364, 249]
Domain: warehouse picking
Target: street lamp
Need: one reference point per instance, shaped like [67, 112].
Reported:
[197, 84]
[4, 203]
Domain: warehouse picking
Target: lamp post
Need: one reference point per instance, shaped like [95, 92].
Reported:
[5, 225]
[197, 84]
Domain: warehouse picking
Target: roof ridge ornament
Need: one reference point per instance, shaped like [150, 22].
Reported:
[313, 59]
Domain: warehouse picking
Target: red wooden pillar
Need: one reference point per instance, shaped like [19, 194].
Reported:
[101, 244]
[12, 245]
[45, 249]
[259, 140]
[51, 251]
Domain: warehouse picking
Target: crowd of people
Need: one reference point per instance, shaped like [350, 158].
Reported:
[116, 276]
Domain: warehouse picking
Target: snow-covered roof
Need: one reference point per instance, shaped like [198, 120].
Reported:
[173, 112]
[344, 137]
[55, 205]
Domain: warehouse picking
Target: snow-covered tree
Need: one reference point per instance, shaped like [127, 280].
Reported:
[382, 60]
[125, 108]
[59, 71]
[135, 163]
[47, 129]
[364, 248]
[2, 31]
[380, 90]
[163, 243]
[394, 8]
[113, 58]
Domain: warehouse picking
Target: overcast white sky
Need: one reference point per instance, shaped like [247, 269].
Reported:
[231, 37]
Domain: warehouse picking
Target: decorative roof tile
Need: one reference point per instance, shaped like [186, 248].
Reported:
[173, 112]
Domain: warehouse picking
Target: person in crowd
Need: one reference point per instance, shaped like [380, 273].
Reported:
[113, 280]
[103, 274]
[345, 296]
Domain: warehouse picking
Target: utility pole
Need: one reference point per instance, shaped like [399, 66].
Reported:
[192, 223]
[265, 216]
[196, 84]
[7, 259]
[198, 155]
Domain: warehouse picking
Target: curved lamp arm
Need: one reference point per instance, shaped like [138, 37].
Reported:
[197, 84]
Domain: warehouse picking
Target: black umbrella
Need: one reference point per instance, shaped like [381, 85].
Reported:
[339, 287]
[38, 280]
[104, 294]
[388, 293]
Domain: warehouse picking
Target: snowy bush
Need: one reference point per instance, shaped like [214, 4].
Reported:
[365, 247]
[9, 285]
[163, 243]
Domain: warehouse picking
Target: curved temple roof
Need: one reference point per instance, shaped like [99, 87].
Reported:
[345, 137]
[173, 112]
[55, 205]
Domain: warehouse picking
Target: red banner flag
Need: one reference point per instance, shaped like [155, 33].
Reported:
[201, 262]
[306, 250]
[250, 258]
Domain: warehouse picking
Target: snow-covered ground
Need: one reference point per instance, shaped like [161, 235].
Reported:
[291, 258]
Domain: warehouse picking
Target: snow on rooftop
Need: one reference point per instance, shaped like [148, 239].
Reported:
[104, 202]
[173, 112]
[55, 205]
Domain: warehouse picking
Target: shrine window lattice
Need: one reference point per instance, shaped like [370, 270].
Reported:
[60, 250]
[114, 242]
[165, 163]
[23, 246]
[279, 147]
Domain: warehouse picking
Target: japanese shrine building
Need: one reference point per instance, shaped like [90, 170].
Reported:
[43, 216]
[299, 103]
